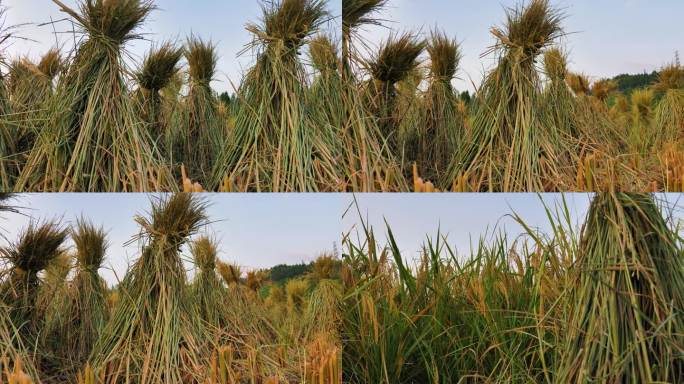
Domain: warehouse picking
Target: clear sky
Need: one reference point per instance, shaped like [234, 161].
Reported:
[465, 218]
[262, 230]
[254, 230]
[605, 37]
[223, 21]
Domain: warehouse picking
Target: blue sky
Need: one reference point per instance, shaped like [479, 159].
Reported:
[465, 218]
[262, 230]
[606, 37]
[254, 230]
[223, 21]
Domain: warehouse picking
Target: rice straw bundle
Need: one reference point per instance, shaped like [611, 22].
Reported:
[93, 139]
[54, 287]
[326, 101]
[204, 136]
[207, 290]
[602, 89]
[51, 304]
[87, 297]
[230, 273]
[626, 318]
[153, 321]
[159, 68]
[558, 99]
[669, 113]
[273, 146]
[31, 87]
[369, 163]
[395, 61]
[39, 244]
[443, 127]
[31, 84]
[509, 149]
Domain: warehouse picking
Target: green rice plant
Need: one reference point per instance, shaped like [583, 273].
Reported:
[508, 147]
[151, 336]
[93, 140]
[206, 290]
[273, 146]
[625, 321]
[496, 316]
[204, 135]
[159, 68]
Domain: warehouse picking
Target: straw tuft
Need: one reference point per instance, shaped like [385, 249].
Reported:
[202, 58]
[290, 21]
[115, 20]
[51, 64]
[602, 89]
[358, 12]
[323, 53]
[176, 217]
[204, 253]
[39, 244]
[530, 27]
[159, 67]
[397, 58]
[230, 273]
[91, 244]
[555, 64]
[445, 56]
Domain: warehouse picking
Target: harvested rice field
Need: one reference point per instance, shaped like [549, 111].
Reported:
[533, 289]
[336, 96]
[167, 294]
